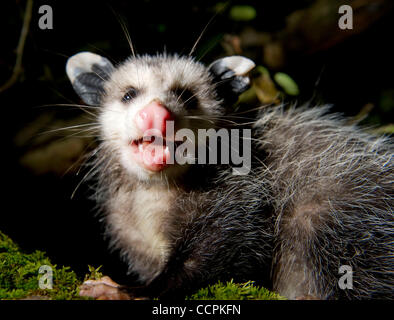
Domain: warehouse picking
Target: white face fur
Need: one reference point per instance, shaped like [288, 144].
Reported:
[182, 86]
[162, 79]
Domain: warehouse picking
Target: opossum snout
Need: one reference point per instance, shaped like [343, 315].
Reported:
[153, 116]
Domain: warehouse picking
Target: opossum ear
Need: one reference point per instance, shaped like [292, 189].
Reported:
[230, 74]
[88, 72]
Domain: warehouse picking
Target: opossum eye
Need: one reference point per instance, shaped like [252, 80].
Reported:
[130, 94]
[187, 97]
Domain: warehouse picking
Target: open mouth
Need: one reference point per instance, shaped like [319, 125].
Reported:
[153, 152]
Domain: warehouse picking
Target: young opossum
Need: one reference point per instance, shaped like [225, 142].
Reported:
[319, 194]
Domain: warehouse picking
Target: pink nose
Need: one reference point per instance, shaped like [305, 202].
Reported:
[153, 116]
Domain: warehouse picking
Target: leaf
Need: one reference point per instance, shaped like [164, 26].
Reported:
[242, 13]
[387, 129]
[264, 87]
[289, 86]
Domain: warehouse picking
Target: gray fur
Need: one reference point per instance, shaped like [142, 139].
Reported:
[333, 201]
[320, 195]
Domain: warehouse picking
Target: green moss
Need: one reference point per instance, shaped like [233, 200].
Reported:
[19, 278]
[94, 273]
[234, 291]
[19, 275]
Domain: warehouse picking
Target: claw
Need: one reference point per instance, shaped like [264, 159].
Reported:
[103, 289]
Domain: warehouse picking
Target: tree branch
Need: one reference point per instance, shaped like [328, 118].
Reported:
[19, 50]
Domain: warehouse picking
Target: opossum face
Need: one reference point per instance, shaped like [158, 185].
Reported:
[145, 100]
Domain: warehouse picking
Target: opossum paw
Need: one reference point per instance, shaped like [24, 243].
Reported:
[103, 289]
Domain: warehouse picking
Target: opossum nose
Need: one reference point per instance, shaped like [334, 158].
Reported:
[153, 116]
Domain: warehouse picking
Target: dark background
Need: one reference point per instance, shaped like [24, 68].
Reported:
[347, 69]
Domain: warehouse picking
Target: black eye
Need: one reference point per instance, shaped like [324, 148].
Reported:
[130, 94]
[187, 97]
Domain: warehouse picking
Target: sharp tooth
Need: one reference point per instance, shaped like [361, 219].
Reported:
[140, 147]
[167, 151]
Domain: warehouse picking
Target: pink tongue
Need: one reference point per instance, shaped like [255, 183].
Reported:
[154, 156]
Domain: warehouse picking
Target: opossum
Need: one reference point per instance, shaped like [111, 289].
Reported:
[317, 198]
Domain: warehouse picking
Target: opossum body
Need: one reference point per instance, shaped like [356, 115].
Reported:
[319, 194]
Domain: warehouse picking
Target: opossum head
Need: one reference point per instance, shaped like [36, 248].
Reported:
[143, 97]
